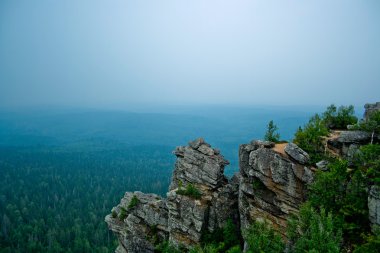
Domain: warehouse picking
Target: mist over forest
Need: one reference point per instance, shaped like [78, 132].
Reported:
[63, 169]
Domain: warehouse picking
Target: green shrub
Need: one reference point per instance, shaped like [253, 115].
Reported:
[222, 239]
[133, 202]
[166, 247]
[230, 237]
[371, 244]
[122, 214]
[310, 138]
[271, 133]
[368, 161]
[258, 185]
[215, 248]
[209, 248]
[235, 249]
[313, 231]
[371, 125]
[261, 237]
[342, 191]
[190, 191]
[339, 118]
[114, 214]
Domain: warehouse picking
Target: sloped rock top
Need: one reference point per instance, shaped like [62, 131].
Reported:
[354, 137]
[297, 153]
[198, 163]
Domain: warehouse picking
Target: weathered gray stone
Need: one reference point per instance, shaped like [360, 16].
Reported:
[180, 219]
[322, 165]
[348, 143]
[198, 163]
[203, 167]
[271, 186]
[357, 137]
[196, 143]
[370, 108]
[149, 217]
[187, 218]
[374, 206]
[262, 144]
[224, 205]
[297, 153]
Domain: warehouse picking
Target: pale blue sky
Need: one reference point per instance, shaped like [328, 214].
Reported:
[120, 53]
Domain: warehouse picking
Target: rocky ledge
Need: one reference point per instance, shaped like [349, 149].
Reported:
[270, 185]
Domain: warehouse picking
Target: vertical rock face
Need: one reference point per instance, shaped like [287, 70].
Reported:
[198, 163]
[374, 206]
[272, 184]
[137, 226]
[203, 167]
[182, 218]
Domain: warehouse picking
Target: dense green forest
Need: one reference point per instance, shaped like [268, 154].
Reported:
[63, 171]
[55, 200]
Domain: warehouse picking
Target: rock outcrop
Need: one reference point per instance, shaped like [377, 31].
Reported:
[198, 163]
[374, 206]
[272, 185]
[202, 167]
[181, 218]
[140, 223]
[348, 143]
[296, 153]
[370, 108]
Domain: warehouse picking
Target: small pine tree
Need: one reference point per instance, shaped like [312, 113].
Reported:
[133, 202]
[271, 133]
[339, 118]
[310, 138]
[313, 231]
[261, 237]
[372, 125]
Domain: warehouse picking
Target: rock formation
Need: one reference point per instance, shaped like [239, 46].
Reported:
[370, 108]
[138, 226]
[348, 143]
[181, 218]
[202, 167]
[374, 206]
[272, 184]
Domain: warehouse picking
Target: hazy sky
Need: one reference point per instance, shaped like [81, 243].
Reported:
[120, 53]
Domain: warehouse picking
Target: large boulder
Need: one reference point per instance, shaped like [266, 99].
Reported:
[297, 153]
[354, 137]
[198, 163]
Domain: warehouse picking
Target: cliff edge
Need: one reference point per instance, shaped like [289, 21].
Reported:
[270, 185]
